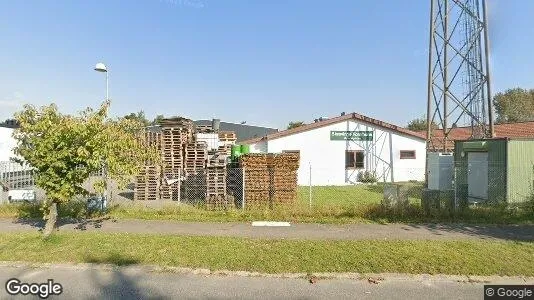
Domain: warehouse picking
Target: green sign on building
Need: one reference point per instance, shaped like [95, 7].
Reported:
[351, 135]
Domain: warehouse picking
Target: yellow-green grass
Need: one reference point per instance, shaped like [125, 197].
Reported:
[330, 204]
[274, 256]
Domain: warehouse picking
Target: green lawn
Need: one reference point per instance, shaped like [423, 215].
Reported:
[343, 196]
[353, 195]
[275, 256]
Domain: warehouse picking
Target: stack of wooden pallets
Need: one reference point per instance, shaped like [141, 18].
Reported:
[153, 139]
[216, 187]
[225, 149]
[227, 137]
[196, 155]
[183, 124]
[203, 128]
[147, 183]
[283, 178]
[170, 191]
[176, 133]
[256, 179]
[172, 148]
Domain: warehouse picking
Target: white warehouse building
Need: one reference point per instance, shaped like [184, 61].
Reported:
[339, 150]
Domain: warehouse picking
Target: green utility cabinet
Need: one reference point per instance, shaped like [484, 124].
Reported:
[494, 170]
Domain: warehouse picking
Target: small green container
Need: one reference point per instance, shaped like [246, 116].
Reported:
[245, 149]
[236, 151]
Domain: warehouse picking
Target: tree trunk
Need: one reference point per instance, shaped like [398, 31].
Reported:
[51, 220]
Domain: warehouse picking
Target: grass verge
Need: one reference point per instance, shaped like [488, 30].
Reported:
[332, 204]
[275, 256]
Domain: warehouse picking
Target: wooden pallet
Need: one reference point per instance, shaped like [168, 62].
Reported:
[253, 160]
[204, 128]
[226, 150]
[284, 197]
[216, 202]
[227, 135]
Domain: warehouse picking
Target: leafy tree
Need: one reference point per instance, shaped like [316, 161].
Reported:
[419, 124]
[514, 105]
[139, 116]
[295, 124]
[64, 150]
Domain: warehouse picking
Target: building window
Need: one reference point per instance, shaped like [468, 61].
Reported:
[354, 159]
[407, 154]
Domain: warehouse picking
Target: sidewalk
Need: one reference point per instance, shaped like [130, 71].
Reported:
[295, 231]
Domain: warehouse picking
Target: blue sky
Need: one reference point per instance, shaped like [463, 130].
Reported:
[266, 62]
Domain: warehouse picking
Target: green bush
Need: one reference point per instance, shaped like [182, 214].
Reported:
[75, 209]
[367, 177]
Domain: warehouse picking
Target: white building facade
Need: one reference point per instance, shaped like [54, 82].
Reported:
[338, 151]
[7, 144]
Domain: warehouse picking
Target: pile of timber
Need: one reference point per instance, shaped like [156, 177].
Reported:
[152, 139]
[270, 179]
[183, 124]
[172, 148]
[196, 155]
[227, 137]
[225, 149]
[147, 183]
[216, 188]
[169, 188]
[203, 128]
[283, 177]
[256, 181]
[186, 160]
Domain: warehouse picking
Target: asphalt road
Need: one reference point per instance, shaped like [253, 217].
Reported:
[137, 283]
[295, 231]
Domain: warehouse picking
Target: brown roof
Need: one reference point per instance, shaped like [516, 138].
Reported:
[351, 116]
[506, 130]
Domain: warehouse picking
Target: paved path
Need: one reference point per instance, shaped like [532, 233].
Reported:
[295, 231]
[137, 283]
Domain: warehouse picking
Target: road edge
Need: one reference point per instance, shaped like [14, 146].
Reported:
[318, 275]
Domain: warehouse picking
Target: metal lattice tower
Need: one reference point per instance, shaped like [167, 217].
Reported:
[459, 89]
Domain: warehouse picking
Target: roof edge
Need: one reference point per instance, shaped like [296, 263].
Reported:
[335, 120]
[259, 126]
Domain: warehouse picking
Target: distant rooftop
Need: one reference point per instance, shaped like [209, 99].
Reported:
[242, 131]
[10, 123]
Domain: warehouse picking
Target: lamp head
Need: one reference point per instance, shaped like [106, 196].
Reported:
[100, 67]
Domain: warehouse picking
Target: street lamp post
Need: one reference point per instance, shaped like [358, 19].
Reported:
[101, 67]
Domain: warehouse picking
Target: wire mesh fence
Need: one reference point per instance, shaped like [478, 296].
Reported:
[451, 186]
[478, 182]
[214, 188]
[16, 176]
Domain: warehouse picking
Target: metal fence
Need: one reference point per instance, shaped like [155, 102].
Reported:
[479, 182]
[228, 187]
[450, 185]
[15, 176]
[215, 188]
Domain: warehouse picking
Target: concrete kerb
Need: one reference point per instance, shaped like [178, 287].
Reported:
[319, 275]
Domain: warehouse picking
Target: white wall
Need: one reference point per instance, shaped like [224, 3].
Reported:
[259, 147]
[211, 139]
[327, 158]
[7, 143]
[408, 169]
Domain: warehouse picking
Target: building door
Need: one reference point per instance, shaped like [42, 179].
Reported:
[477, 175]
